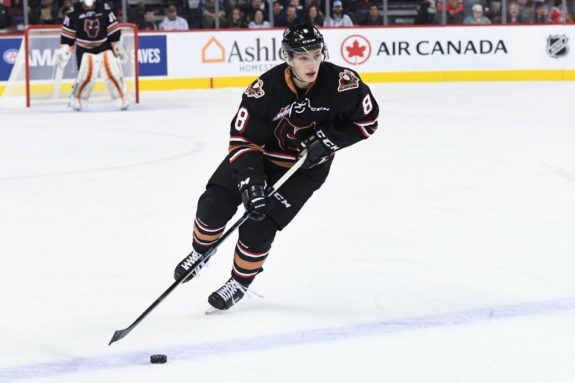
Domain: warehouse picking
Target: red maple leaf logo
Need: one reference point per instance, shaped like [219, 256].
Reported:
[355, 49]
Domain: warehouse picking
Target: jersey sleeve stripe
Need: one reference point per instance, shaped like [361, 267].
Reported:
[68, 30]
[113, 31]
[367, 128]
[239, 139]
[66, 34]
[233, 147]
[114, 25]
[240, 152]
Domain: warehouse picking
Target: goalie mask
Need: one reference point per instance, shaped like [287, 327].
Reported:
[88, 3]
[302, 38]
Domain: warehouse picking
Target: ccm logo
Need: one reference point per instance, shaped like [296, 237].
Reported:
[326, 141]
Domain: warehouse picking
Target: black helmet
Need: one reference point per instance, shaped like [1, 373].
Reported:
[302, 38]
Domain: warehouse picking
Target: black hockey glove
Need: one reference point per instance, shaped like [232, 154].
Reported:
[252, 187]
[319, 147]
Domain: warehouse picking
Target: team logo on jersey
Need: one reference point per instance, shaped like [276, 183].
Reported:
[347, 80]
[256, 89]
[286, 134]
[92, 27]
[557, 46]
[298, 107]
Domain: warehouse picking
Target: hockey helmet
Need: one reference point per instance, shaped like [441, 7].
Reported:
[302, 38]
[88, 3]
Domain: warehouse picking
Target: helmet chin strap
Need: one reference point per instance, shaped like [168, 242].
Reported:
[294, 75]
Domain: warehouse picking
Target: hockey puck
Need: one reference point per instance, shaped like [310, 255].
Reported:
[158, 359]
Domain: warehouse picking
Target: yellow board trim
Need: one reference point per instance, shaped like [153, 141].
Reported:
[159, 84]
[452, 76]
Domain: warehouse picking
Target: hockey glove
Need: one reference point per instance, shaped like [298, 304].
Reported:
[252, 189]
[119, 52]
[319, 147]
[64, 54]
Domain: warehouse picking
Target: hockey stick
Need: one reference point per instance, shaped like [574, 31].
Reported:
[119, 334]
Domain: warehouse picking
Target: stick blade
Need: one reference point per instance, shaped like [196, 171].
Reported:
[119, 334]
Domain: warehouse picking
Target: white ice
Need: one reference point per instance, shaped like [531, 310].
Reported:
[440, 250]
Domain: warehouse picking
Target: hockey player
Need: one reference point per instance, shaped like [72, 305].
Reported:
[93, 29]
[305, 102]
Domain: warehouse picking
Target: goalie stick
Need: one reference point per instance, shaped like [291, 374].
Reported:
[119, 334]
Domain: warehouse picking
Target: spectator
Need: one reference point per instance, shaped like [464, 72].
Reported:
[5, 19]
[236, 19]
[66, 8]
[173, 22]
[541, 13]
[359, 10]
[16, 13]
[290, 17]
[138, 13]
[258, 21]
[314, 16]
[426, 12]
[476, 16]
[253, 7]
[149, 21]
[279, 17]
[338, 18]
[47, 14]
[374, 16]
[494, 12]
[526, 10]
[514, 16]
[209, 14]
[193, 13]
[299, 10]
[454, 12]
[558, 13]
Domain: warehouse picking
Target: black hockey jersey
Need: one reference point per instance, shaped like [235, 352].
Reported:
[274, 116]
[93, 29]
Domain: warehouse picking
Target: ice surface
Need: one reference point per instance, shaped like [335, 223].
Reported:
[440, 250]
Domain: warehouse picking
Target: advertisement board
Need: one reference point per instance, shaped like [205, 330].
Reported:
[380, 50]
[9, 48]
[216, 58]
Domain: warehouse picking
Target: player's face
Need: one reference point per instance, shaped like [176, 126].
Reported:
[305, 66]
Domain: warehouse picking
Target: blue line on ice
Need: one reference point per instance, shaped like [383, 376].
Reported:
[197, 351]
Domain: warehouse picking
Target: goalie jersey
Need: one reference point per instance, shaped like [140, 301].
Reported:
[94, 29]
[275, 116]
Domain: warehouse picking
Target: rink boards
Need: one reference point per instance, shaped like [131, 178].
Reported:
[206, 59]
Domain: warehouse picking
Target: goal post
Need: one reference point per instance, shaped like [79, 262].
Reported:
[39, 80]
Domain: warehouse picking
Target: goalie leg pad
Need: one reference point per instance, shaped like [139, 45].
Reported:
[112, 75]
[87, 76]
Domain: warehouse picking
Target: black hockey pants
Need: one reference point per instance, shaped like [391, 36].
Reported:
[221, 199]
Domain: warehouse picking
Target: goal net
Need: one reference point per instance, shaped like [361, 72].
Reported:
[36, 79]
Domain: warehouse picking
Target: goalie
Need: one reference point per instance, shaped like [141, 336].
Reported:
[92, 28]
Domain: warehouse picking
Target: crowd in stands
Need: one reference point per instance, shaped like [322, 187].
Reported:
[203, 14]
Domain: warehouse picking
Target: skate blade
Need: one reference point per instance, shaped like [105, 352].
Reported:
[213, 310]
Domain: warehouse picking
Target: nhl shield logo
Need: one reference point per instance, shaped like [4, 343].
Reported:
[557, 46]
